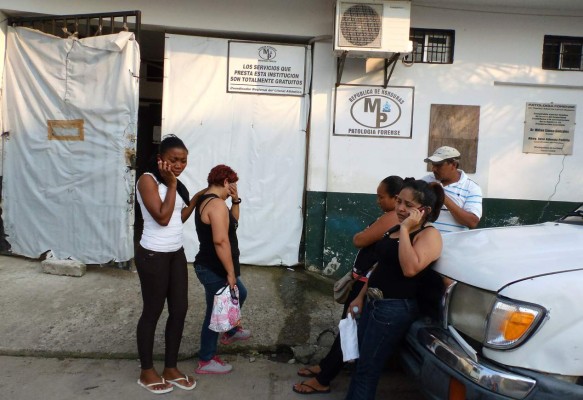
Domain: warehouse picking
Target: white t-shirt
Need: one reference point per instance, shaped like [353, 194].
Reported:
[465, 193]
[160, 238]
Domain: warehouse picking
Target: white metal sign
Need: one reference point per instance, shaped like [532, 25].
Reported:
[374, 111]
[549, 128]
[264, 68]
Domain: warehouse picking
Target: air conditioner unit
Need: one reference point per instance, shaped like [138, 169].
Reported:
[372, 28]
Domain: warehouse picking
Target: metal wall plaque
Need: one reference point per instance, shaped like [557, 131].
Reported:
[549, 128]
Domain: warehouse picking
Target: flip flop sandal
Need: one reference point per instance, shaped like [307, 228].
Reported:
[312, 391]
[155, 391]
[308, 374]
[176, 383]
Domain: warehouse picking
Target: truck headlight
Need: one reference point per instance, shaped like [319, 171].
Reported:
[468, 310]
[511, 323]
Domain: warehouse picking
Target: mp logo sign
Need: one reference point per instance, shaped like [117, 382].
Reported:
[373, 111]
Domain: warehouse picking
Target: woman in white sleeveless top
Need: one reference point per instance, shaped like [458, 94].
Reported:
[161, 264]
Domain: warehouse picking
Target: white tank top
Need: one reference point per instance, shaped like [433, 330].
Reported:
[160, 238]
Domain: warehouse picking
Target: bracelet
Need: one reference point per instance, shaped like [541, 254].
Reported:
[237, 201]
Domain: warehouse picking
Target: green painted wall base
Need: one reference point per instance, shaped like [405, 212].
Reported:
[314, 230]
[333, 218]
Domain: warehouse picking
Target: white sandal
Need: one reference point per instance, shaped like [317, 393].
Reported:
[183, 387]
[156, 391]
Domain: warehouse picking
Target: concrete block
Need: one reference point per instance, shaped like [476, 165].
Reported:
[63, 267]
[326, 338]
[304, 353]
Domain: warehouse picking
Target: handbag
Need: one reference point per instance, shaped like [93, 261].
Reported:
[364, 263]
[226, 313]
[364, 259]
[343, 286]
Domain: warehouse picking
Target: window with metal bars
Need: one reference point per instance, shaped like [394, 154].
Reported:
[434, 46]
[83, 25]
[564, 53]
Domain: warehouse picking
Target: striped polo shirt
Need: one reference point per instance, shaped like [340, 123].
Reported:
[465, 193]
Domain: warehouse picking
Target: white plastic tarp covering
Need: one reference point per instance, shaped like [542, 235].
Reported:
[71, 109]
[261, 137]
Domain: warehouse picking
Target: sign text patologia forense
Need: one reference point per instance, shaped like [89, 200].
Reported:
[373, 111]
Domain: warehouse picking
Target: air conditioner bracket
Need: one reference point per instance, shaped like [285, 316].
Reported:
[390, 62]
[340, 67]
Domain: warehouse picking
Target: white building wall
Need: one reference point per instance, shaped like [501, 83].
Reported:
[296, 17]
[3, 25]
[489, 47]
[322, 107]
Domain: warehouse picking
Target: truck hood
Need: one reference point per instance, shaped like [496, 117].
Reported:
[496, 257]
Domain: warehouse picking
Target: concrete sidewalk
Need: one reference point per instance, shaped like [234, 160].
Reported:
[25, 378]
[96, 315]
[65, 338]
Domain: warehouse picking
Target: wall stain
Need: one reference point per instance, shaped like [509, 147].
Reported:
[295, 288]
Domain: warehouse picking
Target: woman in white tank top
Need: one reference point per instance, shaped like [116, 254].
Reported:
[161, 264]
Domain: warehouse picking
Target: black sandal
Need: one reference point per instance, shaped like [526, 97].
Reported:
[308, 374]
[312, 390]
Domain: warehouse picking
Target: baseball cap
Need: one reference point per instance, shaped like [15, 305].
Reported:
[441, 154]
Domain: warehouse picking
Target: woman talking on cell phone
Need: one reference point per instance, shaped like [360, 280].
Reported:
[217, 261]
[405, 253]
[320, 376]
[161, 263]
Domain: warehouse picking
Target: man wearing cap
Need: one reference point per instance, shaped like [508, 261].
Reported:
[462, 208]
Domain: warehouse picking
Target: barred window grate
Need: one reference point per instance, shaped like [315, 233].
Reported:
[564, 53]
[433, 46]
[83, 25]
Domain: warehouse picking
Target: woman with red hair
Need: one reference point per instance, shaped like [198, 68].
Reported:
[217, 261]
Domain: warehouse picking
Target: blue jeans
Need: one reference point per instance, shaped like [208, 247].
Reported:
[381, 328]
[212, 283]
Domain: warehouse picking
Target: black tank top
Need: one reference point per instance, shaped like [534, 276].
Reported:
[365, 258]
[207, 255]
[388, 276]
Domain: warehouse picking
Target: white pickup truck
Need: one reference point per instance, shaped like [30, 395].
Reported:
[511, 324]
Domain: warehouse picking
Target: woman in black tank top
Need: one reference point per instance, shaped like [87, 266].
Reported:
[404, 254]
[320, 376]
[217, 261]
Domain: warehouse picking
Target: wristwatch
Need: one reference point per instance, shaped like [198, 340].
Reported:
[236, 201]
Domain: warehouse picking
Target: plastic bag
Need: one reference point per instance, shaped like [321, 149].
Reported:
[226, 312]
[349, 338]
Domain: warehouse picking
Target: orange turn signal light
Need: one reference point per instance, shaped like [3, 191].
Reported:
[457, 390]
[516, 325]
